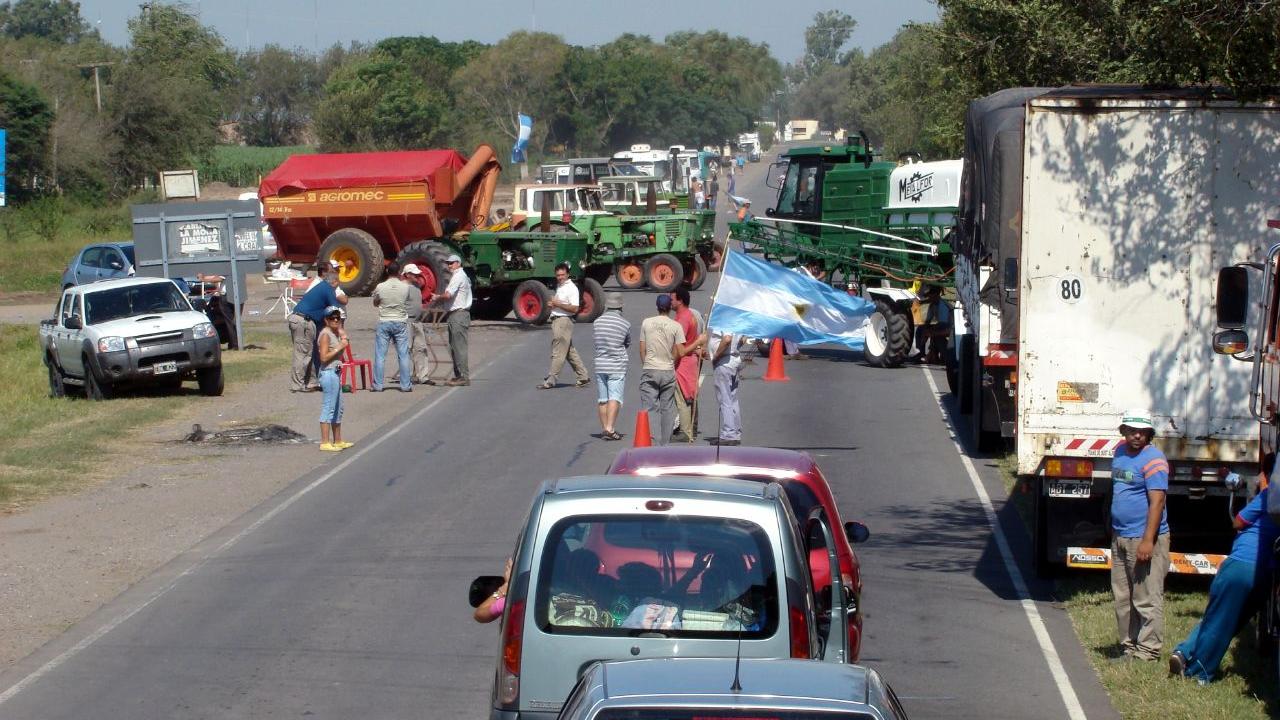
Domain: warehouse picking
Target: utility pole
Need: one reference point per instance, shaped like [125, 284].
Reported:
[97, 82]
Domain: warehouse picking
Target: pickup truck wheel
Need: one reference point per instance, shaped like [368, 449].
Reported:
[695, 273]
[591, 306]
[57, 388]
[663, 273]
[210, 380]
[359, 256]
[93, 388]
[530, 299]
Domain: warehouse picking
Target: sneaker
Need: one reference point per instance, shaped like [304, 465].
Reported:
[330, 447]
[680, 437]
[724, 443]
[344, 445]
[1177, 664]
[546, 384]
[583, 382]
[408, 389]
[372, 389]
[457, 382]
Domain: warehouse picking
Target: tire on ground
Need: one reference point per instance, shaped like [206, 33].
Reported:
[629, 274]
[210, 380]
[663, 272]
[695, 272]
[591, 305]
[93, 387]
[429, 256]
[888, 337]
[531, 300]
[57, 388]
[359, 255]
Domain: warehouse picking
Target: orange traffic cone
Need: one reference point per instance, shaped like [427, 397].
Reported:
[775, 373]
[642, 430]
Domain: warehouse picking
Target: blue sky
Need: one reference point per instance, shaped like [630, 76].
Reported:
[304, 23]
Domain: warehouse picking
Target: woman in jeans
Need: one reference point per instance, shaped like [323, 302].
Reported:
[331, 342]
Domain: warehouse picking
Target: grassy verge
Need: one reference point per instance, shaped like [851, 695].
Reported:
[1143, 691]
[39, 238]
[54, 445]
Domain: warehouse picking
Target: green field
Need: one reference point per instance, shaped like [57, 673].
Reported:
[52, 445]
[243, 166]
[39, 238]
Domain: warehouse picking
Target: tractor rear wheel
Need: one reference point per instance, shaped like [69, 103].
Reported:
[531, 300]
[888, 339]
[359, 257]
[630, 274]
[695, 273]
[429, 256]
[591, 306]
[663, 272]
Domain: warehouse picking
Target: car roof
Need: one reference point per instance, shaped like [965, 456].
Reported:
[665, 484]
[699, 460]
[551, 186]
[121, 282]
[629, 178]
[709, 680]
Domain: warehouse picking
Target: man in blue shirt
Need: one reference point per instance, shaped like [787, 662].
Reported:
[304, 325]
[1140, 538]
[1237, 589]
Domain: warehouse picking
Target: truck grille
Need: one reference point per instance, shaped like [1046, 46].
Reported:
[671, 227]
[159, 338]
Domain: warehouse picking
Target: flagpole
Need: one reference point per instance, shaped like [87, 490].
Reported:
[697, 390]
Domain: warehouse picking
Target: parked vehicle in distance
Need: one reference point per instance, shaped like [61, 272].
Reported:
[688, 688]
[620, 567]
[575, 200]
[806, 488]
[129, 332]
[99, 261]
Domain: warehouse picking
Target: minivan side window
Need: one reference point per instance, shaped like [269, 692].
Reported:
[623, 575]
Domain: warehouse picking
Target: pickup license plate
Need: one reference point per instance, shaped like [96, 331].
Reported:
[1070, 488]
[164, 368]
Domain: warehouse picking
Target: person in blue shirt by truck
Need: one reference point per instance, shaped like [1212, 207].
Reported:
[1140, 538]
[304, 325]
[1236, 593]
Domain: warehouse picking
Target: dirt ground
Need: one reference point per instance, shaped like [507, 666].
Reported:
[63, 558]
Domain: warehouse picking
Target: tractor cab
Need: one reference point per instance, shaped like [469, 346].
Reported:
[831, 183]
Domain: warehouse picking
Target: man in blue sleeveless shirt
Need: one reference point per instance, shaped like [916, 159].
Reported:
[1140, 537]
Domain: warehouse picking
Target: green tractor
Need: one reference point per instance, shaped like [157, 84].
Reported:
[657, 246]
[880, 229]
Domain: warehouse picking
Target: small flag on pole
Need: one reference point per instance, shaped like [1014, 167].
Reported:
[763, 300]
[522, 141]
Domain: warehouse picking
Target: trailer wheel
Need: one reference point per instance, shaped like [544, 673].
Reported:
[591, 305]
[530, 300]
[663, 272]
[429, 256]
[359, 256]
[630, 274]
[888, 340]
[492, 307]
[695, 273]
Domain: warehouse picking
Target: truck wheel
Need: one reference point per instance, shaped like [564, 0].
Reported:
[983, 441]
[210, 380]
[695, 273]
[888, 338]
[57, 388]
[360, 257]
[592, 304]
[600, 273]
[663, 273]
[530, 300]
[630, 274]
[429, 256]
[93, 388]
[492, 307]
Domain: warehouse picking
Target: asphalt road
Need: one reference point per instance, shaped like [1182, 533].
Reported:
[344, 596]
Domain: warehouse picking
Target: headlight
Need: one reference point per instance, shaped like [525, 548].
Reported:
[111, 344]
[203, 330]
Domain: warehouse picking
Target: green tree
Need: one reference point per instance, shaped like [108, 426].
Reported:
[518, 75]
[276, 96]
[27, 120]
[56, 20]
[825, 39]
[724, 84]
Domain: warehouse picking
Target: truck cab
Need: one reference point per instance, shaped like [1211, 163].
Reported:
[573, 200]
[621, 194]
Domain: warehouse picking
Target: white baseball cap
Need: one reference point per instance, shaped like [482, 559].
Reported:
[410, 269]
[453, 258]
[1138, 419]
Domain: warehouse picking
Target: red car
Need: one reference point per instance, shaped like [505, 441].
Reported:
[805, 487]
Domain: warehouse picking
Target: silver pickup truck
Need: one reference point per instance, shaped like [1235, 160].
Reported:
[129, 332]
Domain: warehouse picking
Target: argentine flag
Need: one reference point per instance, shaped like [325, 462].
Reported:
[762, 300]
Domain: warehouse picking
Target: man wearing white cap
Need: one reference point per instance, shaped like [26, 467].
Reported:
[394, 297]
[458, 296]
[1140, 537]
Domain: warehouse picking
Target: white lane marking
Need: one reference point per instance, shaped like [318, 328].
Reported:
[115, 622]
[1050, 653]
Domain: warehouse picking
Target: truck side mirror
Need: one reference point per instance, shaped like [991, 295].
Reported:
[1231, 342]
[1233, 299]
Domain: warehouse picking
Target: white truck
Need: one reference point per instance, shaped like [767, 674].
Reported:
[129, 332]
[1093, 220]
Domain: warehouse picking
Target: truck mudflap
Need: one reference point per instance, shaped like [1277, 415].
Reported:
[1092, 558]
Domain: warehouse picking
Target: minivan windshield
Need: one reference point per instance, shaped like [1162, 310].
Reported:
[676, 575]
[107, 305]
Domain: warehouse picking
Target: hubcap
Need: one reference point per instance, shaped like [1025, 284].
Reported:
[530, 305]
[349, 263]
[662, 275]
[630, 274]
[876, 338]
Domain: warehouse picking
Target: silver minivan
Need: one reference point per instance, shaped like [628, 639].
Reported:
[623, 567]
